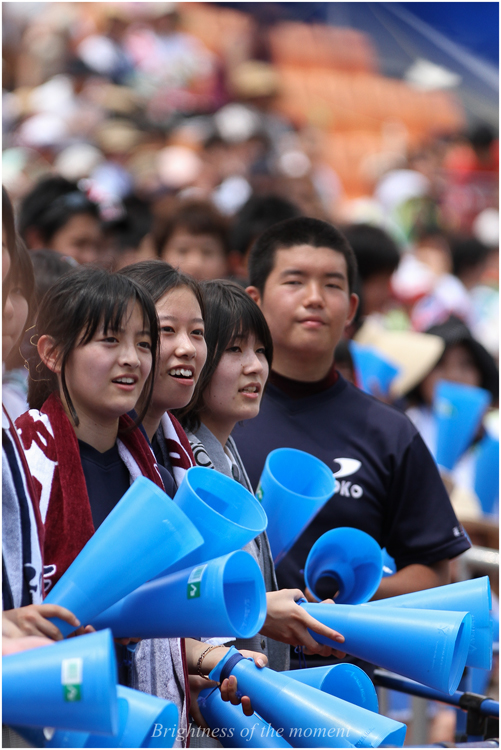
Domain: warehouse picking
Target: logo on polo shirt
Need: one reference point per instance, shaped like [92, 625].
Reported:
[343, 486]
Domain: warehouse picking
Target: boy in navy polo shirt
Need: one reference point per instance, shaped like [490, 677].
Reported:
[302, 273]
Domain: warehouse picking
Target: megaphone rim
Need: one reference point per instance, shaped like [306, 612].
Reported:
[320, 465]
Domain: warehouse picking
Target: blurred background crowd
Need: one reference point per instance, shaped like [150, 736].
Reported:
[183, 130]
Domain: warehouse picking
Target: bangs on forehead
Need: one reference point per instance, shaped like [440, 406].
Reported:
[246, 324]
[113, 317]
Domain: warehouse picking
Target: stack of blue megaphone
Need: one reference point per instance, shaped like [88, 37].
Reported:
[301, 708]
[215, 589]
[72, 686]
[163, 562]
[457, 632]
[354, 698]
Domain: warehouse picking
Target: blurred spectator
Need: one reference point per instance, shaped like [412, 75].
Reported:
[173, 70]
[17, 317]
[56, 214]
[107, 53]
[377, 259]
[128, 238]
[48, 265]
[469, 260]
[256, 215]
[193, 237]
[464, 361]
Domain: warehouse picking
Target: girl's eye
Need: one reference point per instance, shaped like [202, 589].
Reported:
[261, 350]
[145, 345]
[110, 339]
[198, 332]
[234, 348]
[167, 329]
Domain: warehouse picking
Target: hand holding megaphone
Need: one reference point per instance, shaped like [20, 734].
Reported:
[202, 660]
[33, 620]
[284, 623]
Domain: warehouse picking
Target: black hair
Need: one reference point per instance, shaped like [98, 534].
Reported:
[467, 253]
[291, 233]
[455, 332]
[49, 266]
[259, 213]
[197, 217]
[50, 205]
[129, 229]
[158, 277]
[229, 314]
[72, 311]
[374, 249]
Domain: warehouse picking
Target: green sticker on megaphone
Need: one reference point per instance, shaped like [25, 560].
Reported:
[259, 493]
[71, 679]
[72, 693]
[194, 582]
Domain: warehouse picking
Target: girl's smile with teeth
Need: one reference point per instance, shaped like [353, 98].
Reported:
[181, 372]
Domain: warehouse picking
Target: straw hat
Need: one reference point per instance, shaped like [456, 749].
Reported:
[416, 354]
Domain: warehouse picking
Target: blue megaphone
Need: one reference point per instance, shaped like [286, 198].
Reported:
[146, 531]
[232, 728]
[346, 563]
[440, 640]
[293, 487]
[345, 681]
[303, 715]
[473, 596]
[487, 474]
[227, 515]
[69, 684]
[375, 373]
[458, 410]
[224, 597]
[144, 721]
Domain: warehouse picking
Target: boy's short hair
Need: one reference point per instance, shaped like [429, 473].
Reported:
[291, 233]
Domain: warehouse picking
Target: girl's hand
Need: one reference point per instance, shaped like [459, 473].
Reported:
[289, 623]
[229, 686]
[32, 620]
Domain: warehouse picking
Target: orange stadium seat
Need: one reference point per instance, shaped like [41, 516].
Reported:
[316, 45]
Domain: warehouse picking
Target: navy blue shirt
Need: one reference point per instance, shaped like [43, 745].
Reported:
[390, 486]
[108, 479]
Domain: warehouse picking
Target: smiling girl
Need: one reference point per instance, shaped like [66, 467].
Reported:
[182, 355]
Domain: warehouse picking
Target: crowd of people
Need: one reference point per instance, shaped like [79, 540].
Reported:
[183, 275]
